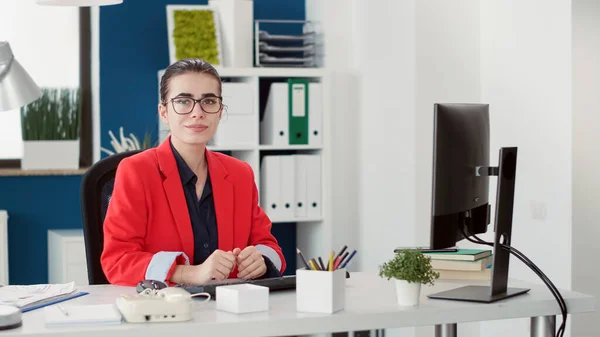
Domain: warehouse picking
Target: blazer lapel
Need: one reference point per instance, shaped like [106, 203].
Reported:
[176, 197]
[223, 197]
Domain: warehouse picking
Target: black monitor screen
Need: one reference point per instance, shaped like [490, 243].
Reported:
[461, 144]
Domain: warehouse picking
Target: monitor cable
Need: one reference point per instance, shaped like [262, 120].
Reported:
[561, 302]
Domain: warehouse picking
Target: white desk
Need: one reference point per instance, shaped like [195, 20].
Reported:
[370, 304]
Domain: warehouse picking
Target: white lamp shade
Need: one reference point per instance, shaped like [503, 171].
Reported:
[80, 3]
[17, 88]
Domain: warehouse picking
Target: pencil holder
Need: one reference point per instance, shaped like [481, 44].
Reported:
[320, 291]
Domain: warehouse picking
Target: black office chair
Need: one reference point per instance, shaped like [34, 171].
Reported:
[96, 189]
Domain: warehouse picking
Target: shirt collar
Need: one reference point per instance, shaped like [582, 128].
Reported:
[185, 172]
[188, 176]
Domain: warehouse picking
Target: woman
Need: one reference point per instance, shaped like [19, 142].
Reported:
[180, 213]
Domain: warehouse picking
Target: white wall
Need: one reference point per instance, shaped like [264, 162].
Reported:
[447, 58]
[526, 79]
[45, 40]
[386, 130]
[514, 55]
[586, 162]
[447, 71]
[412, 54]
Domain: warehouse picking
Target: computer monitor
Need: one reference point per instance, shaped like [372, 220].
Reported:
[461, 144]
[460, 193]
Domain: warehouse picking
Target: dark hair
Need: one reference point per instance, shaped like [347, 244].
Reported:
[180, 67]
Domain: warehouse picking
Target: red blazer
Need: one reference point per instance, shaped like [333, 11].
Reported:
[148, 231]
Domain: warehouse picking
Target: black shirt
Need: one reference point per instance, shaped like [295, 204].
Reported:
[202, 211]
[203, 216]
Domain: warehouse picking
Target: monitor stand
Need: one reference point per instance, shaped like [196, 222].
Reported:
[505, 195]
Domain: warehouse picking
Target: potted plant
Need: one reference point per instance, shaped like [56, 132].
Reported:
[124, 144]
[410, 268]
[50, 130]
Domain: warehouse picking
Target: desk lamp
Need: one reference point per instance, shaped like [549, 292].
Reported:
[16, 86]
[81, 3]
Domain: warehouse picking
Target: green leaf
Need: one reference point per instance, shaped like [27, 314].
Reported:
[410, 265]
[54, 116]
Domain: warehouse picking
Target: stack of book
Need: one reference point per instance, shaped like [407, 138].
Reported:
[464, 264]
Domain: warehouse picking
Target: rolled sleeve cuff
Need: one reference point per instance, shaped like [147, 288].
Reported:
[271, 254]
[161, 263]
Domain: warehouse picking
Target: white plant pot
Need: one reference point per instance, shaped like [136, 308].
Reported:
[50, 155]
[408, 293]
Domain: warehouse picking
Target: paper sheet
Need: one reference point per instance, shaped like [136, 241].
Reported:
[23, 295]
[82, 314]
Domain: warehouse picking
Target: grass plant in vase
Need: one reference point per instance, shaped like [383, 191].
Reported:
[409, 268]
[50, 130]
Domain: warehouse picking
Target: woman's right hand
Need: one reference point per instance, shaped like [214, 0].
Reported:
[217, 266]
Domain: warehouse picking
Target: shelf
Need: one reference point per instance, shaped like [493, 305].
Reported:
[11, 172]
[296, 220]
[231, 148]
[271, 72]
[263, 147]
[289, 147]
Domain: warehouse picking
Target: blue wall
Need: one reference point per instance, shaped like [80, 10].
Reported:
[133, 47]
[35, 205]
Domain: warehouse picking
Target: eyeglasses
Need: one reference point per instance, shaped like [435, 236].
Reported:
[185, 105]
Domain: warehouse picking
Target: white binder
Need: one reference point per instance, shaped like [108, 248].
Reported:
[274, 126]
[287, 184]
[270, 177]
[300, 206]
[313, 187]
[315, 114]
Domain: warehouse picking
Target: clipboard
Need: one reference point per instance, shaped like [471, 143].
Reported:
[52, 300]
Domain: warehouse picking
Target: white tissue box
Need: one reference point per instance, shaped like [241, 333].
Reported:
[242, 298]
[320, 291]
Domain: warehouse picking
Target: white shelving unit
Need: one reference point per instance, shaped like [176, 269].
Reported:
[3, 247]
[312, 232]
[271, 72]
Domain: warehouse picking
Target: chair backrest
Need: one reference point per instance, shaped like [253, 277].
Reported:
[96, 189]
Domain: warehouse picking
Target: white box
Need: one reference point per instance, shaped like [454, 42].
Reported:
[236, 18]
[236, 125]
[320, 291]
[242, 298]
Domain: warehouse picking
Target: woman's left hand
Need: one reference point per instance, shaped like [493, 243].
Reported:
[251, 263]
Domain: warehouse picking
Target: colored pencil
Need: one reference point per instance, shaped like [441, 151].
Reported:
[302, 257]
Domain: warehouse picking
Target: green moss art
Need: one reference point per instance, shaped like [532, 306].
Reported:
[54, 116]
[195, 35]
